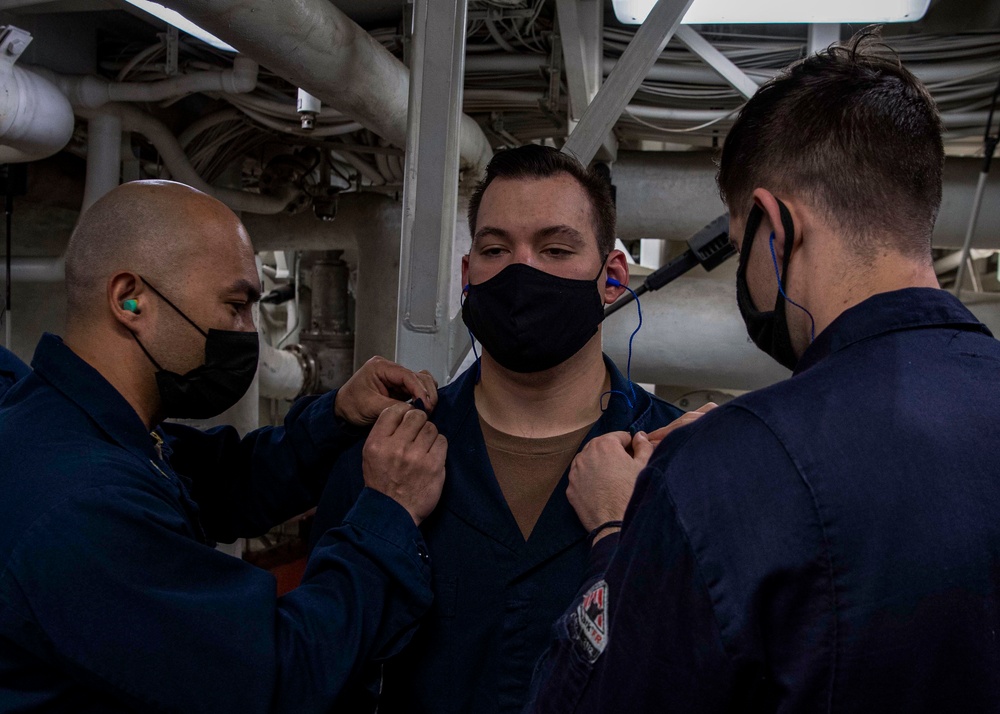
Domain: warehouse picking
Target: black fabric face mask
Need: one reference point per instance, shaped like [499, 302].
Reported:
[210, 389]
[768, 330]
[529, 320]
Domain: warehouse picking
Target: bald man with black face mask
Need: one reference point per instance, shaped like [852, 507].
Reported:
[112, 596]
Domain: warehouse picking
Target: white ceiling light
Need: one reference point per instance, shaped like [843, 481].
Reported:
[633, 12]
[171, 17]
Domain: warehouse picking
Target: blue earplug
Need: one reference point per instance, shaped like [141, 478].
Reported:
[614, 283]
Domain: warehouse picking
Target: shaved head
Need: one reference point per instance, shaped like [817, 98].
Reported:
[156, 229]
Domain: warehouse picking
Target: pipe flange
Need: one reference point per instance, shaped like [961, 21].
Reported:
[310, 371]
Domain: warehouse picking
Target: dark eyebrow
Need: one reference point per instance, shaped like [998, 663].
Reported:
[489, 231]
[245, 287]
[568, 232]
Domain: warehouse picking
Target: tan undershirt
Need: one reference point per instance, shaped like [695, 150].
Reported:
[529, 469]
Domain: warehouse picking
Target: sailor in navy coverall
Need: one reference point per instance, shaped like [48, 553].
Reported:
[112, 595]
[539, 271]
[495, 595]
[830, 543]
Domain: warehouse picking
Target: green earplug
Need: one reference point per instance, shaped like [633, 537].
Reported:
[131, 305]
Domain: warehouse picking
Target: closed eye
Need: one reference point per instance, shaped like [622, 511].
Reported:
[558, 252]
[492, 251]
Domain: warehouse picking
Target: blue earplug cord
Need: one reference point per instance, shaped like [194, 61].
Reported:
[628, 367]
[781, 289]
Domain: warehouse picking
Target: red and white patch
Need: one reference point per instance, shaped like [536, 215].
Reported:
[592, 619]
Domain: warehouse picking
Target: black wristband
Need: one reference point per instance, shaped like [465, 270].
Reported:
[603, 527]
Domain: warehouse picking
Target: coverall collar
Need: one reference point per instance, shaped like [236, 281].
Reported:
[476, 497]
[907, 309]
[83, 385]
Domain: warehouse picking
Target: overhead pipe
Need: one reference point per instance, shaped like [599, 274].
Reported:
[314, 45]
[699, 73]
[104, 157]
[36, 120]
[670, 196]
[91, 92]
[692, 335]
[176, 161]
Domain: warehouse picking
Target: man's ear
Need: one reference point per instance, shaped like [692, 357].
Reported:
[768, 203]
[127, 297]
[617, 270]
[465, 272]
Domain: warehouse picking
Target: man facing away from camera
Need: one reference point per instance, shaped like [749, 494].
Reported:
[830, 543]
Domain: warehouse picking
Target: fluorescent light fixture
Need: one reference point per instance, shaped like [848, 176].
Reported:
[172, 17]
[633, 12]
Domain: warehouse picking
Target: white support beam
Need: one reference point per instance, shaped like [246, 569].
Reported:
[717, 61]
[642, 52]
[822, 35]
[430, 191]
[581, 32]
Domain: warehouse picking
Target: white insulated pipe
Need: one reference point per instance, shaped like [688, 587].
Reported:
[671, 195]
[692, 335]
[104, 157]
[314, 45]
[36, 120]
[280, 373]
[91, 92]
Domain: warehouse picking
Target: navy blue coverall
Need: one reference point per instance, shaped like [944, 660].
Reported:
[11, 370]
[828, 544]
[495, 595]
[112, 598]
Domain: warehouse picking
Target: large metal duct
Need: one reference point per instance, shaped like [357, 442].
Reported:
[315, 46]
[36, 120]
[692, 335]
[670, 195]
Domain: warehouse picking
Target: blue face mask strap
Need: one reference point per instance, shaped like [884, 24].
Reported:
[628, 367]
[781, 288]
[479, 359]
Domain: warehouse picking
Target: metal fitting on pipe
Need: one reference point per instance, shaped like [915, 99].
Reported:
[329, 339]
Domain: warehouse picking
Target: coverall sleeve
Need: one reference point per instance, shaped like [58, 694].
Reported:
[245, 486]
[663, 648]
[342, 489]
[112, 584]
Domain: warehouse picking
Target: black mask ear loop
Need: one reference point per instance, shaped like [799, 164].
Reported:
[177, 310]
[479, 359]
[789, 227]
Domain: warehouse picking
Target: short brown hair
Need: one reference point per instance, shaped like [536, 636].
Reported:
[853, 130]
[532, 161]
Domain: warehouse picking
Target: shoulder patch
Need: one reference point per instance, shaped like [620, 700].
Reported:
[591, 634]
